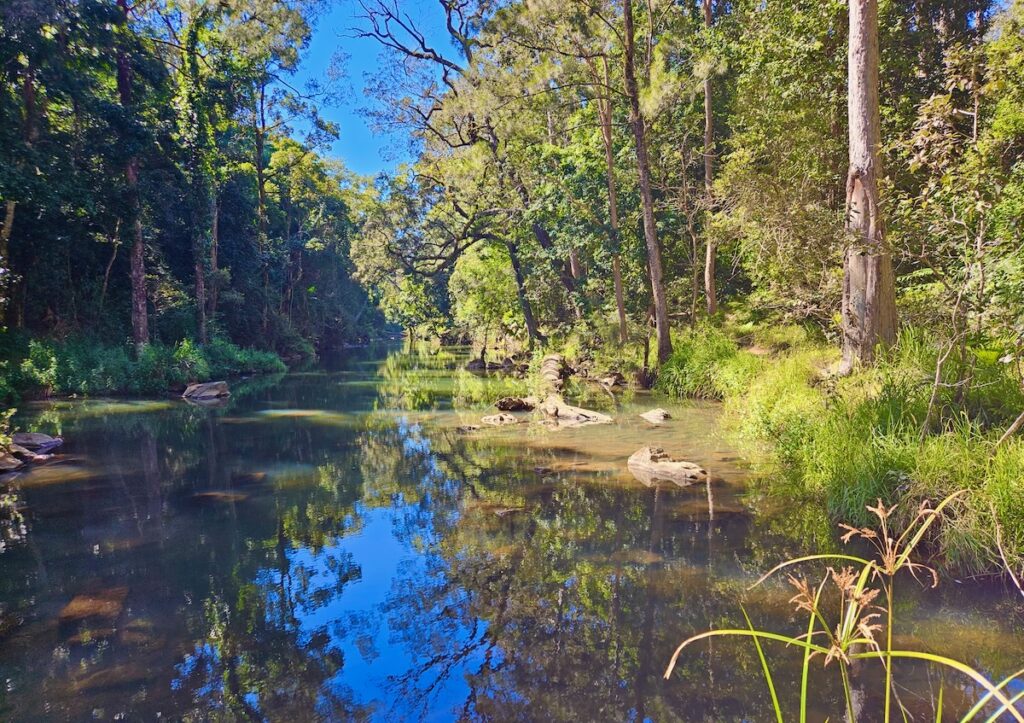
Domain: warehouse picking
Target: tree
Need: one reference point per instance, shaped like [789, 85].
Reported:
[637, 122]
[869, 296]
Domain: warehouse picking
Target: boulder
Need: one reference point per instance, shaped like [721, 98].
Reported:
[553, 371]
[560, 415]
[36, 442]
[516, 404]
[466, 428]
[498, 420]
[9, 463]
[206, 390]
[656, 416]
[651, 465]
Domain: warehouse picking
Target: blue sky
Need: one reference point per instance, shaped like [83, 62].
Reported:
[362, 150]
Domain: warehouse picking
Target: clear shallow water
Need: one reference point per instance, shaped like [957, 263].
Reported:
[328, 545]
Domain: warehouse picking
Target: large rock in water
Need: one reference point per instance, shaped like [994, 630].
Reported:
[36, 442]
[516, 404]
[559, 415]
[656, 416]
[206, 391]
[651, 465]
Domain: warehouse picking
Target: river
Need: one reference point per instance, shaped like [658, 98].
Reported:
[330, 545]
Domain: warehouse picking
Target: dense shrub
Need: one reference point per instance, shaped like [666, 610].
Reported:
[44, 367]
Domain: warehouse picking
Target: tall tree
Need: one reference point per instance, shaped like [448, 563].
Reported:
[636, 120]
[140, 313]
[869, 296]
[709, 175]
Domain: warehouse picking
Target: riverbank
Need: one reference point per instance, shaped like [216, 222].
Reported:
[41, 368]
[901, 432]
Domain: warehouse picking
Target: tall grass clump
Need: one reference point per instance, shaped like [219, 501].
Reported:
[850, 614]
[703, 364]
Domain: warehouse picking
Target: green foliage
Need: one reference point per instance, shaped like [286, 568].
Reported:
[80, 367]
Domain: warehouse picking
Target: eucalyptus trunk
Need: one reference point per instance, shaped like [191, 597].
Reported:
[605, 108]
[636, 120]
[869, 297]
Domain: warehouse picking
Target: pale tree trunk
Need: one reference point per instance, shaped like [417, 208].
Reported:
[644, 170]
[5, 259]
[709, 176]
[869, 297]
[140, 317]
[605, 110]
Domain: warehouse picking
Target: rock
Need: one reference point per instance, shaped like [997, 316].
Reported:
[206, 390]
[516, 404]
[103, 605]
[499, 420]
[466, 428]
[220, 496]
[476, 365]
[559, 414]
[652, 464]
[9, 463]
[656, 416]
[36, 442]
[113, 677]
[612, 380]
[553, 371]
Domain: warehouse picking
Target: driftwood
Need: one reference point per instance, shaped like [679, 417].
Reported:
[559, 415]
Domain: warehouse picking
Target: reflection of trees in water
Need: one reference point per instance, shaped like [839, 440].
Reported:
[257, 657]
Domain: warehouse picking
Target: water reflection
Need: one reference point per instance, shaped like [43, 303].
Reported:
[330, 545]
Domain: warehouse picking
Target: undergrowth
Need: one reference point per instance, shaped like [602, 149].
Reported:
[888, 432]
[79, 366]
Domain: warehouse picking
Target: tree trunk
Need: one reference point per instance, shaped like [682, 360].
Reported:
[869, 297]
[524, 303]
[709, 177]
[140, 318]
[5, 257]
[214, 239]
[261, 201]
[605, 109]
[646, 197]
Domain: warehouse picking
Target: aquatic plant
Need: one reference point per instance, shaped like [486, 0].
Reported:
[861, 625]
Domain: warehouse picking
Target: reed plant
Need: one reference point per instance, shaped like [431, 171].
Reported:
[858, 630]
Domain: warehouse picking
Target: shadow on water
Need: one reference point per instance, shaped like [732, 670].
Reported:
[329, 544]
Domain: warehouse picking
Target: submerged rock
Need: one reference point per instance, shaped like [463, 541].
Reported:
[35, 442]
[220, 496]
[103, 605]
[560, 415]
[652, 464]
[656, 416]
[516, 404]
[499, 420]
[206, 391]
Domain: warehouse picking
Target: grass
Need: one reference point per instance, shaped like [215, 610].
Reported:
[851, 616]
[43, 367]
[888, 432]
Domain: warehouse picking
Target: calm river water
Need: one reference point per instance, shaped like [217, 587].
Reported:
[330, 546]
